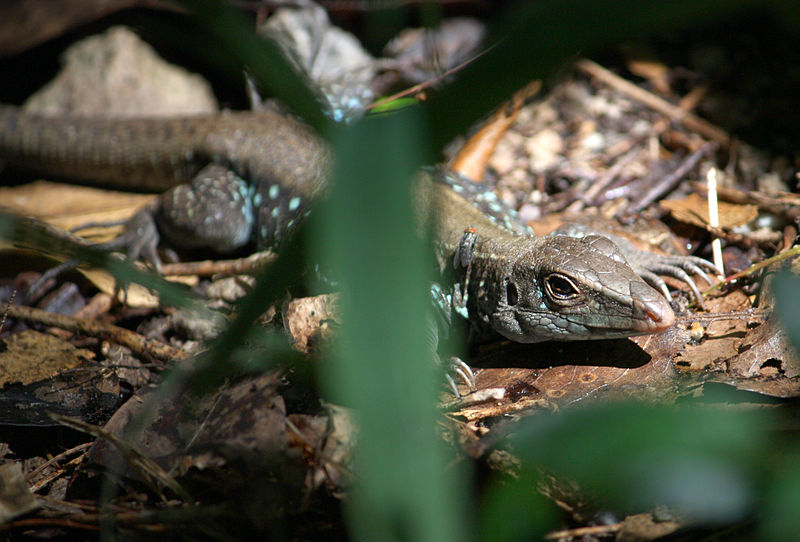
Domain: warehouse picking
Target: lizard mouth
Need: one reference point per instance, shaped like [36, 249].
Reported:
[651, 310]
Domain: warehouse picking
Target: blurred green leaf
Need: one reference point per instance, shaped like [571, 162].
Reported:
[385, 368]
[779, 520]
[786, 289]
[700, 461]
[513, 509]
[395, 105]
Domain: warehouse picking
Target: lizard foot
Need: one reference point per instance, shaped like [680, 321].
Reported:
[649, 266]
[439, 321]
[458, 368]
[139, 239]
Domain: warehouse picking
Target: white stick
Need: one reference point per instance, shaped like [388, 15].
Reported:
[713, 216]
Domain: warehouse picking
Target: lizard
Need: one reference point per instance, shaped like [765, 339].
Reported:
[233, 178]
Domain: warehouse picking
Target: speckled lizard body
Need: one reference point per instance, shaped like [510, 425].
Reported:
[253, 175]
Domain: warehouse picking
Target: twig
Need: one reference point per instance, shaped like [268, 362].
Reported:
[578, 532]
[791, 253]
[603, 182]
[150, 472]
[491, 411]
[79, 448]
[668, 182]
[713, 216]
[138, 344]
[783, 204]
[5, 312]
[475, 398]
[675, 113]
[239, 266]
[427, 84]
[32, 523]
[320, 457]
[58, 473]
[747, 314]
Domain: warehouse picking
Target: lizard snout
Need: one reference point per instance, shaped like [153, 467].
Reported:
[651, 309]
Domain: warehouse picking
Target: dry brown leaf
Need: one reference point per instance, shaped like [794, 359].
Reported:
[657, 73]
[693, 209]
[16, 497]
[31, 356]
[135, 295]
[722, 338]
[766, 351]
[244, 420]
[473, 157]
[566, 373]
[641, 527]
[68, 206]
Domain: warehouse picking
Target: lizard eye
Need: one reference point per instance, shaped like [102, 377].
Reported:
[512, 296]
[560, 287]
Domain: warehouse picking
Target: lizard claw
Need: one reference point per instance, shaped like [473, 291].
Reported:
[678, 267]
[438, 326]
[463, 371]
[139, 240]
[690, 264]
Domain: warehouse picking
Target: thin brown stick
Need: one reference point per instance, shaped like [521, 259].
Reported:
[5, 311]
[426, 84]
[57, 474]
[477, 414]
[748, 315]
[790, 253]
[249, 265]
[150, 472]
[583, 531]
[602, 182]
[674, 112]
[668, 182]
[783, 204]
[48, 522]
[56, 459]
[138, 344]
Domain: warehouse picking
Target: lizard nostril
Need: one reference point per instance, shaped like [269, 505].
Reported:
[653, 306]
[659, 313]
[511, 293]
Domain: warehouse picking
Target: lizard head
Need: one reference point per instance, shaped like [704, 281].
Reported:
[566, 288]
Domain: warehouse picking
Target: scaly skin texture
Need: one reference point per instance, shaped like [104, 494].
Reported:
[254, 175]
[531, 289]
